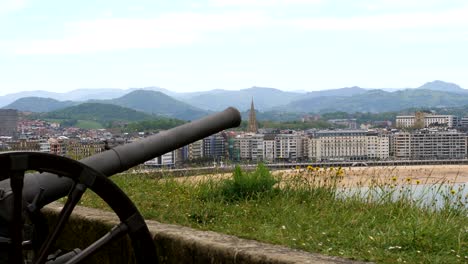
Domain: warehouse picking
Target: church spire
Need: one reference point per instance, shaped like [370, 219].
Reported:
[252, 119]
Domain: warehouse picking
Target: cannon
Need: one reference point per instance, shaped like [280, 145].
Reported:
[24, 194]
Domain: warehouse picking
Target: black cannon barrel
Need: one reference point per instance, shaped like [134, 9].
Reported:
[126, 156]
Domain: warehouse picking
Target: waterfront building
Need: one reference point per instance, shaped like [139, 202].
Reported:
[378, 146]
[289, 147]
[339, 145]
[345, 145]
[430, 144]
[214, 146]
[195, 150]
[165, 160]
[250, 146]
[269, 150]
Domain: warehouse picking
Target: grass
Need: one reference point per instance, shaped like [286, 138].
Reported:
[309, 211]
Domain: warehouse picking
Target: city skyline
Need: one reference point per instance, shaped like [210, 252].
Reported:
[225, 44]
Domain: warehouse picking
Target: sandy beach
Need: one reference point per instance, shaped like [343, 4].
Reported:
[424, 174]
[420, 174]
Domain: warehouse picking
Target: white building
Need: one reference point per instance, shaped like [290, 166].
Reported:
[289, 147]
[341, 145]
[269, 151]
[195, 150]
[165, 160]
[378, 147]
[405, 121]
[427, 144]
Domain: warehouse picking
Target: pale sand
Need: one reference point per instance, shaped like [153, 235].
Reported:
[421, 174]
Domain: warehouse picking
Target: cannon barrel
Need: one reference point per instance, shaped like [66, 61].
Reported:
[124, 157]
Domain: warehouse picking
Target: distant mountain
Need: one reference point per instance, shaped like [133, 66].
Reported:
[147, 101]
[38, 104]
[78, 94]
[378, 101]
[9, 98]
[101, 113]
[348, 91]
[193, 105]
[155, 102]
[89, 94]
[264, 98]
[444, 87]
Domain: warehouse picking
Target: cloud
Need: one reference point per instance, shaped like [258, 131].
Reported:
[121, 34]
[8, 6]
[410, 4]
[453, 18]
[262, 3]
[183, 29]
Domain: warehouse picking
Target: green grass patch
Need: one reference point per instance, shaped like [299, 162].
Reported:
[303, 212]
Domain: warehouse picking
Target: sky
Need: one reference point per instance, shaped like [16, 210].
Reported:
[186, 46]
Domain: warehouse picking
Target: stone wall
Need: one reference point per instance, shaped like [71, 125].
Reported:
[177, 244]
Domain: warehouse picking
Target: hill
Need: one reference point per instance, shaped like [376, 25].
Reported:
[101, 113]
[347, 91]
[264, 98]
[378, 101]
[38, 104]
[155, 102]
[78, 94]
[444, 87]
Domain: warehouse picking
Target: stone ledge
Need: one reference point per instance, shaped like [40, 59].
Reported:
[179, 244]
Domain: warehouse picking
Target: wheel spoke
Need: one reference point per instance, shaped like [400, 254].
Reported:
[16, 183]
[115, 233]
[72, 201]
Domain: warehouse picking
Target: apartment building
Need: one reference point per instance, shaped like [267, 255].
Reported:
[78, 149]
[333, 145]
[249, 146]
[269, 147]
[338, 145]
[269, 151]
[289, 147]
[426, 120]
[378, 146]
[214, 146]
[195, 150]
[430, 144]
[165, 160]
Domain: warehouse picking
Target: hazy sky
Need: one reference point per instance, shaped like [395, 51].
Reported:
[58, 45]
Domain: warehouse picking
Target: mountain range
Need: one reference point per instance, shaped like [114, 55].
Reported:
[193, 105]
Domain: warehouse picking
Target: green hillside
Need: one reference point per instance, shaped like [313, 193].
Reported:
[38, 104]
[154, 102]
[103, 114]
